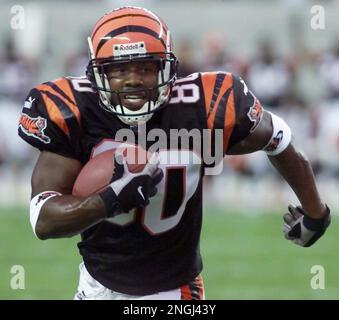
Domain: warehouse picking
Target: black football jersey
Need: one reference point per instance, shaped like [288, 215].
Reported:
[155, 248]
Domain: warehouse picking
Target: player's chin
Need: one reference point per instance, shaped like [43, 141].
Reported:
[134, 104]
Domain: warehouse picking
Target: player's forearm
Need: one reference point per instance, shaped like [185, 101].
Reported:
[297, 171]
[66, 216]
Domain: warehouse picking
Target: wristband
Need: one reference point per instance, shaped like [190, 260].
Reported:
[110, 201]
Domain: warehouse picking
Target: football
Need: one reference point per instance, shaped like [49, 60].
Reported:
[97, 173]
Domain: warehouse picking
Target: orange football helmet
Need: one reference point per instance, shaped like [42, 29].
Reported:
[131, 34]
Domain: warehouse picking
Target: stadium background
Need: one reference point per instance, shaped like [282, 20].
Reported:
[291, 67]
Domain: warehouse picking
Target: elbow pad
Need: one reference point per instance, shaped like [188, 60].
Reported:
[36, 204]
[281, 136]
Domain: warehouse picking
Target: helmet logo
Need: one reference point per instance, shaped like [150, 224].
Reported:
[129, 48]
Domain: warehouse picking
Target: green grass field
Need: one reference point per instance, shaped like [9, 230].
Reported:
[245, 257]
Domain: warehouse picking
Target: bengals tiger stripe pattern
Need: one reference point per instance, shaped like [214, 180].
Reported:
[219, 103]
[128, 25]
[61, 105]
[194, 290]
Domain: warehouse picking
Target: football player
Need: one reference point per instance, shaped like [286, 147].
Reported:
[147, 246]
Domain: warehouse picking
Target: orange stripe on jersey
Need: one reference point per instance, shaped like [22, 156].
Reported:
[194, 290]
[55, 114]
[200, 285]
[208, 83]
[230, 118]
[64, 86]
[220, 90]
[186, 293]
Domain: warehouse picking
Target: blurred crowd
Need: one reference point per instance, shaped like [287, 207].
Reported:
[302, 87]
